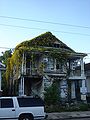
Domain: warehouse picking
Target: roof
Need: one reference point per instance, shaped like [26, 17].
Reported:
[87, 66]
[48, 40]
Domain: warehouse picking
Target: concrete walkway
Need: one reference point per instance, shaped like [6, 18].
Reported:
[68, 115]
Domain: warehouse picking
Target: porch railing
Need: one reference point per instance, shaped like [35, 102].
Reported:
[35, 71]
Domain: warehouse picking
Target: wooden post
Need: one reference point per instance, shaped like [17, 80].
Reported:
[0, 84]
[0, 80]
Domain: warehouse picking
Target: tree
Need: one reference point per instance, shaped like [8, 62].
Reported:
[5, 55]
[4, 59]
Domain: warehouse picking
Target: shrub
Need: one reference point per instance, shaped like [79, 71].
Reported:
[52, 95]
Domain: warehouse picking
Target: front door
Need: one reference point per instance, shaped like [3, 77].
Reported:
[77, 88]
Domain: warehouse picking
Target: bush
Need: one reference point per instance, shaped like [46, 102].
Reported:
[67, 108]
[52, 95]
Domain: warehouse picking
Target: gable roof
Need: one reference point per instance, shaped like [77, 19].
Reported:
[45, 40]
[48, 40]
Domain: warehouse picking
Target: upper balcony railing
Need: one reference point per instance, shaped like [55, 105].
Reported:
[36, 71]
[76, 75]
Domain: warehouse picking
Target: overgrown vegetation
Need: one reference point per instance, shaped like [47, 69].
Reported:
[4, 59]
[42, 44]
[52, 95]
[67, 108]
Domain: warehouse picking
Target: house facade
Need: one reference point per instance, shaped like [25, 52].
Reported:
[44, 60]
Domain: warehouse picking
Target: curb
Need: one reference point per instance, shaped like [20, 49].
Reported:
[63, 116]
[68, 118]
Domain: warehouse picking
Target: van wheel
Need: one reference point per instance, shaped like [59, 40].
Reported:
[26, 117]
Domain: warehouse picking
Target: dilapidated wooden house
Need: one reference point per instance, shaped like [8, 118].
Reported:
[37, 63]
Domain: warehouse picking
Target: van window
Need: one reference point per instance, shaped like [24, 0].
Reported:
[30, 102]
[7, 103]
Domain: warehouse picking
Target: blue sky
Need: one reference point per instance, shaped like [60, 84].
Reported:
[72, 12]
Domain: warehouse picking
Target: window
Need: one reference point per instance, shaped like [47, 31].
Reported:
[7, 103]
[30, 102]
[57, 66]
[56, 45]
[50, 64]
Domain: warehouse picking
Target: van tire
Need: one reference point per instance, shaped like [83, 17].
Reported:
[26, 117]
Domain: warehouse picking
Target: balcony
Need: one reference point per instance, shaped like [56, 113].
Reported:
[52, 72]
[77, 77]
[55, 72]
[29, 71]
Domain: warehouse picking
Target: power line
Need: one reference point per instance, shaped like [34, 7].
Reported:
[40, 21]
[6, 48]
[24, 27]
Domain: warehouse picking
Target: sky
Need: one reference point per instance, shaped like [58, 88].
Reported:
[68, 20]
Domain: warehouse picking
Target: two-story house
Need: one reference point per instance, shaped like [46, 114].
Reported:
[37, 63]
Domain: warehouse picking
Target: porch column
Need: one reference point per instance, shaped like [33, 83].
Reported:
[71, 68]
[22, 70]
[55, 65]
[63, 89]
[73, 90]
[22, 77]
[0, 80]
[82, 68]
[42, 89]
[0, 84]
[83, 89]
[21, 87]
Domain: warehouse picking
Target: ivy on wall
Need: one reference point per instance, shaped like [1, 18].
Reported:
[43, 44]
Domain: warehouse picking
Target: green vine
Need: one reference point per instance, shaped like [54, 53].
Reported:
[42, 44]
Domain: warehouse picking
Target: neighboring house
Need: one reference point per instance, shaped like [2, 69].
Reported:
[87, 74]
[39, 62]
[87, 82]
[2, 67]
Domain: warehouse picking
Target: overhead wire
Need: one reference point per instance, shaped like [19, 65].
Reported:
[6, 48]
[56, 23]
[24, 27]
[40, 21]
[46, 22]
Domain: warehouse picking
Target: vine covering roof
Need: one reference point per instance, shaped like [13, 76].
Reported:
[46, 42]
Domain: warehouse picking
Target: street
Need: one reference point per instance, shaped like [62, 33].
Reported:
[81, 119]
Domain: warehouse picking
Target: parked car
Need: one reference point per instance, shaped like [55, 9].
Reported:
[21, 108]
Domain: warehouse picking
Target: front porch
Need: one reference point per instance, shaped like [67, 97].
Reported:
[31, 86]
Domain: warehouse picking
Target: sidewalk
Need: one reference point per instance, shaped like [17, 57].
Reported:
[68, 115]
